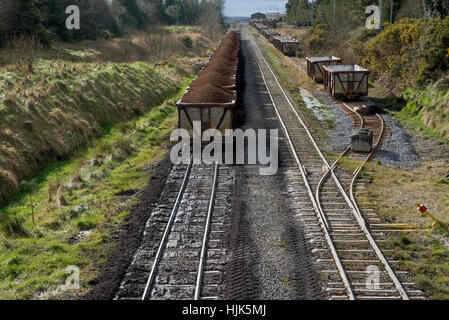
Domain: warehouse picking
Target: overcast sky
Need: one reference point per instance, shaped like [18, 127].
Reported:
[244, 8]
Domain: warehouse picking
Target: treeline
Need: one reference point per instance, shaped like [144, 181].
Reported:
[352, 12]
[46, 19]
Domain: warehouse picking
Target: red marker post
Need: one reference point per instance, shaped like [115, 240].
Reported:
[423, 210]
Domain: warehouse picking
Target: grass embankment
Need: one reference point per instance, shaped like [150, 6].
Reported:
[426, 110]
[77, 134]
[77, 204]
[393, 193]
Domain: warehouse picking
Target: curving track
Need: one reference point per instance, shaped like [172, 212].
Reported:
[348, 252]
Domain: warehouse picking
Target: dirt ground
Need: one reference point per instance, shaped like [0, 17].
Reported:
[130, 236]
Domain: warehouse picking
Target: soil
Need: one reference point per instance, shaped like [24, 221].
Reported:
[130, 236]
[214, 78]
[209, 93]
[226, 71]
[218, 73]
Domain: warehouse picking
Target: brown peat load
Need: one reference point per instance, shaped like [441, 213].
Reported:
[211, 98]
[215, 78]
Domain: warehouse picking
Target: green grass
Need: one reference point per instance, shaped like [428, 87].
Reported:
[56, 111]
[35, 263]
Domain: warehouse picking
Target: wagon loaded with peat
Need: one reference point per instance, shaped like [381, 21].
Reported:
[212, 97]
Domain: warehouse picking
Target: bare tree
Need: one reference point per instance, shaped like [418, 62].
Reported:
[210, 19]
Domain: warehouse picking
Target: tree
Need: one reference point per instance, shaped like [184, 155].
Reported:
[211, 19]
[104, 16]
[437, 8]
[174, 12]
[22, 18]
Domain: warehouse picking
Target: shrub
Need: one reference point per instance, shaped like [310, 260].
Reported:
[12, 225]
[409, 52]
[187, 42]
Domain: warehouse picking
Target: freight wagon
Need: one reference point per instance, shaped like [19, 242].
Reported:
[260, 27]
[286, 45]
[211, 98]
[269, 34]
[315, 66]
[346, 81]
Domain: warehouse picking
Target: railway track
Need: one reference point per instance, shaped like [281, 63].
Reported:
[183, 254]
[342, 237]
[185, 237]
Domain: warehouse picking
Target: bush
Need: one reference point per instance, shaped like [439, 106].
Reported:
[187, 42]
[12, 225]
[410, 52]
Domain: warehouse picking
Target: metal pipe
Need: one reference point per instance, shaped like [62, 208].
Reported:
[335, 9]
[313, 13]
[381, 14]
[391, 11]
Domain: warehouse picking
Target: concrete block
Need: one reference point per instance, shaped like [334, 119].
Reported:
[362, 141]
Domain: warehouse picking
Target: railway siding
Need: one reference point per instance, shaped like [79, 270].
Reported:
[347, 248]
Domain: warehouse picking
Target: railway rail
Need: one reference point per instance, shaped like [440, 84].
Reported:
[348, 250]
[179, 265]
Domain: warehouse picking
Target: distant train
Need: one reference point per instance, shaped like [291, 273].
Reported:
[287, 45]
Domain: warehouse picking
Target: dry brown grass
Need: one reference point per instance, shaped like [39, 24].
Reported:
[148, 46]
[21, 52]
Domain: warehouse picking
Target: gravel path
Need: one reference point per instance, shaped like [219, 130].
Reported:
[398, 149]
[270, 258]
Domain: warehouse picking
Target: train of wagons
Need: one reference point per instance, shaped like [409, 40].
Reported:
[212, 98]
[341, 81]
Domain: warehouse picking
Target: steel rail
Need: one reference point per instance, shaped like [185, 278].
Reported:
[356, 174]
[317, 208]
[353, 207]
[160, 251]
[317, 149]
[199, 278]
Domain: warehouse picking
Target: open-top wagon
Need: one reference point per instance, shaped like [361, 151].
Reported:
[346, 81]
[286, 45]
[315, 66]
[270, 33]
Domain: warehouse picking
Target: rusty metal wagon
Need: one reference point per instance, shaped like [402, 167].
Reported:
[269, 34]
[286, 45]
[315, 66]
[211, 99]
[346, 81]
[220, 116]
[260, 26]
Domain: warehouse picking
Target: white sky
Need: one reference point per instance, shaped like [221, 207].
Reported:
[244, 8]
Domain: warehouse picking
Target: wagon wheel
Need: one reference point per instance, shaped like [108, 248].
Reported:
[352, 96]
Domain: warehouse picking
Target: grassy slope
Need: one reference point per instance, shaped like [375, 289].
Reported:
[80, 131]
[48, 116]
[33, 265]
